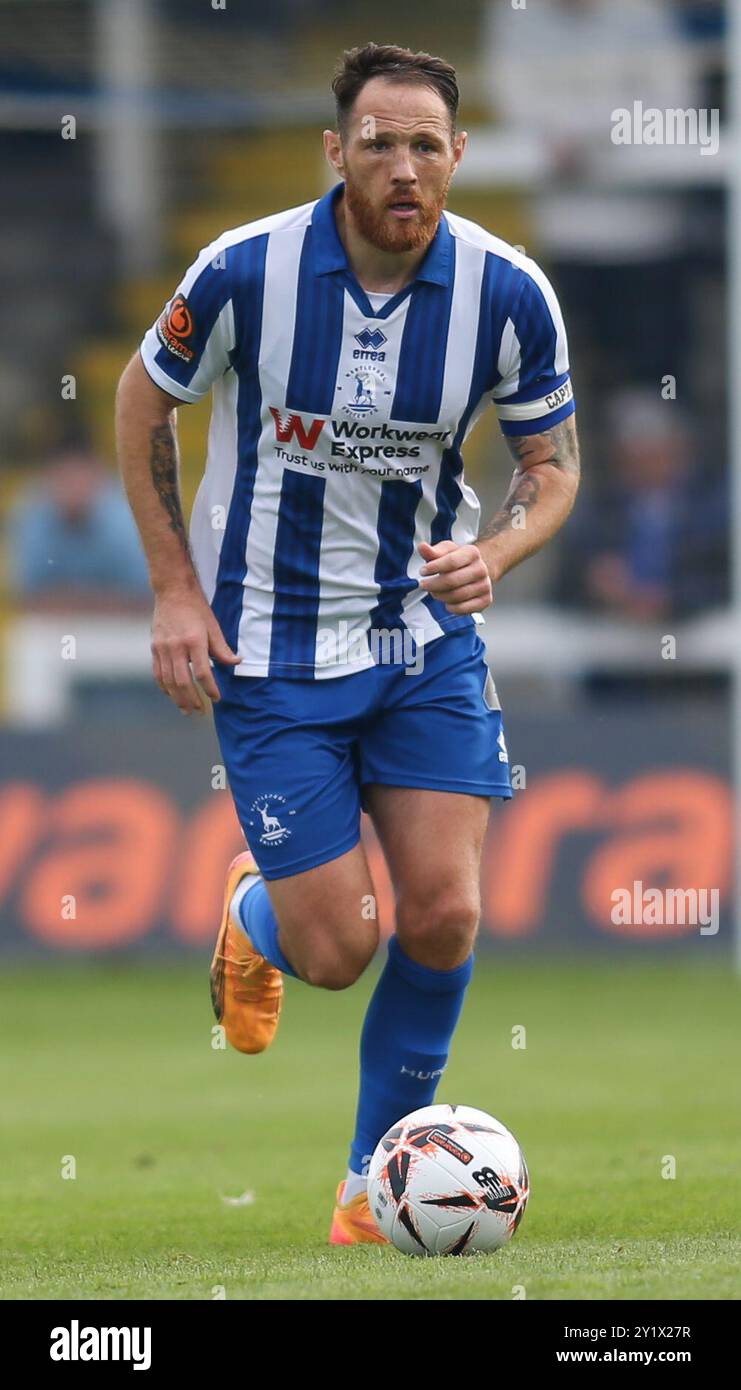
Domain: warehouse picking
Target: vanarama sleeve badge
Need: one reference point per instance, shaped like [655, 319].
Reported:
[175, 328]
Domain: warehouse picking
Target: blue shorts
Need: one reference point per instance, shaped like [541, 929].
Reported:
[297, 753]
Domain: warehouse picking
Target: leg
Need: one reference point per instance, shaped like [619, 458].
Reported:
[429, 768]
[432, 841]
[289, 750]
[325, 930]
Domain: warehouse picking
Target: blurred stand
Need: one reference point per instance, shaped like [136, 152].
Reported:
[128, 146]
[555, 76]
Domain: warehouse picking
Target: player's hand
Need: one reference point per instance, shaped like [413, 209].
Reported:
[184, 634]
[457, 575]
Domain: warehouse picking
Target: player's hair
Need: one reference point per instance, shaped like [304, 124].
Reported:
[358, 65]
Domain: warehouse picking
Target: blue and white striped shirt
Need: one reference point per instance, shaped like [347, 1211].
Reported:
[336, 430]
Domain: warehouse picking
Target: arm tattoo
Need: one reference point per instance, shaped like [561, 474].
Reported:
[558, 447]
[163, 462]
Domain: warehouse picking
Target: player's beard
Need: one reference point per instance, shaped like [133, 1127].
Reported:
[383, 231]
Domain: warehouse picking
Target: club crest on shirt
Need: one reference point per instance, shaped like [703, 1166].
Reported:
[366, 384]
[176, 327]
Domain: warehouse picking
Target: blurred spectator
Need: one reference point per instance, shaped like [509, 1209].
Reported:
[72, 539]
[651, 543]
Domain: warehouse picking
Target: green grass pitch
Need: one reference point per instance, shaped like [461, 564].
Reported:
[113, 1065]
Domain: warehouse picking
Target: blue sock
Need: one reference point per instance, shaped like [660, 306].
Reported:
[404, 1045]
[258, 919]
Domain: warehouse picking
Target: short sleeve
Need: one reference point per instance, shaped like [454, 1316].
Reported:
[190, 345]
[534, 391]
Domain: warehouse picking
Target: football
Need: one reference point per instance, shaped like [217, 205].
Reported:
[448, 1180]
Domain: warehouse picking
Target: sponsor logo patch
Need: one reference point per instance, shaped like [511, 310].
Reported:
[176, 327]
[444, 1141]
[288, 424]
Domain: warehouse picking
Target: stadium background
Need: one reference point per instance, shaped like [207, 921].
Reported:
[131, 133]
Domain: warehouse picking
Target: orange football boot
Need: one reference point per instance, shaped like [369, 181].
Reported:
[354, 1224]
[246, 990]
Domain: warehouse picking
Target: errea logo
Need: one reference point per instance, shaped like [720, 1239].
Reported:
[370, 339]
[75, 1343]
